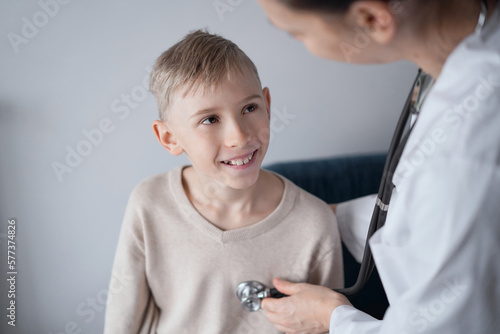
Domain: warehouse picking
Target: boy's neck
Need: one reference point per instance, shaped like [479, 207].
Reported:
[229, 208]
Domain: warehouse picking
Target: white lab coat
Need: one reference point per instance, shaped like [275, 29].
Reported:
[438, 254]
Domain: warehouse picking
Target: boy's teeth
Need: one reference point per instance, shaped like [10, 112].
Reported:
[239, 162]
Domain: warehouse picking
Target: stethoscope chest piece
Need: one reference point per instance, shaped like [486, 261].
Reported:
[247, 292]
[251, 293]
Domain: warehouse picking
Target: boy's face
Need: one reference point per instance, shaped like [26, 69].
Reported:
[224, 131]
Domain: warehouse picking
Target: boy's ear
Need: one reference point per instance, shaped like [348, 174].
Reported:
[166, 138]
[267, 99]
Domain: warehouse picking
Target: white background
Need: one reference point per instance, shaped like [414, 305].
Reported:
[63, 80]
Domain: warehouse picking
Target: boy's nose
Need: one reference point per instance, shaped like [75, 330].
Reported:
[236, 135]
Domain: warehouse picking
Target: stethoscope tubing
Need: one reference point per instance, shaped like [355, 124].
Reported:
[384, 194]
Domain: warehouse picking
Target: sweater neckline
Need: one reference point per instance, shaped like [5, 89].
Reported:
[201, 223]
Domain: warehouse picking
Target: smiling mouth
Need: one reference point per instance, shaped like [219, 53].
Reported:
[240, 162]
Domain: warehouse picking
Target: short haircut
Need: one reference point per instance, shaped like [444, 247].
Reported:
[199, 60]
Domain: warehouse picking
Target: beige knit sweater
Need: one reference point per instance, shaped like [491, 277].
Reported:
[175, 272]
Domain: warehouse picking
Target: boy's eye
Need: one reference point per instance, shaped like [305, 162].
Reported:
[209, 120]
[250, 108]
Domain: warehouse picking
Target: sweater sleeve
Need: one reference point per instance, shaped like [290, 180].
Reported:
[130, 307]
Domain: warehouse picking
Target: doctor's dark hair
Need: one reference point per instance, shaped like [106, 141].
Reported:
[199, 61]
[326, 6]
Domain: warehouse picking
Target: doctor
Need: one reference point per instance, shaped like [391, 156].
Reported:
[438, 254]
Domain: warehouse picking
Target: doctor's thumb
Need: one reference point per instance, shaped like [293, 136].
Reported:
[288, 288]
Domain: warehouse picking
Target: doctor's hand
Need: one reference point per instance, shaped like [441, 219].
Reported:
[307, 309]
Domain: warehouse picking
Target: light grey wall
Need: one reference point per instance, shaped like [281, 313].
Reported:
[69, 75]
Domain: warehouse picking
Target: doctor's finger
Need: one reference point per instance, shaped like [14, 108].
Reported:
[274, 318]
[270, 304]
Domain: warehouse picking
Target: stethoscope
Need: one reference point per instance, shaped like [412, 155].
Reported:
[251, 293]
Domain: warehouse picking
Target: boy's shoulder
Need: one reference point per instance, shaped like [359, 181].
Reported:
[308, 216]
[157, 187]
[305, 203]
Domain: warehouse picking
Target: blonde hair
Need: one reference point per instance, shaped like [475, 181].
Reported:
[199, 60]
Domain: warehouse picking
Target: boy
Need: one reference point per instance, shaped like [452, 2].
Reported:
[191, 235]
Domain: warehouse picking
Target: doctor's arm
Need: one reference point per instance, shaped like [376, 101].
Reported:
[438, 258]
